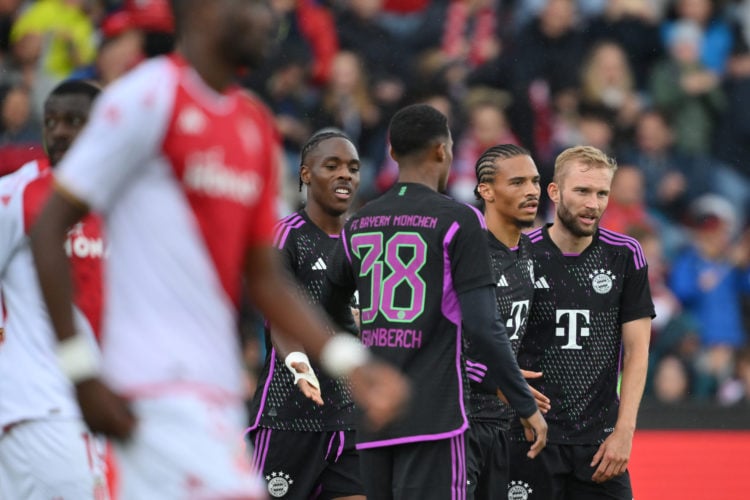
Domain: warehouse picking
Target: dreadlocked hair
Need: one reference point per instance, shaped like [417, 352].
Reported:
[314, 140]
[486, 167]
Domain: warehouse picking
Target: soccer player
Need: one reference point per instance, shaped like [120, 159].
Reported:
[508, 185]
[181, 163]
[422, 271]
[45, 449]
[588, 333]
[305, 447]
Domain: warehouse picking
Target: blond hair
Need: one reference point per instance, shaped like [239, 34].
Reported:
[589, 156]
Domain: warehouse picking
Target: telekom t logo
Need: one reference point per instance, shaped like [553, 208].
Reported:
[518, 312]
[569, 327]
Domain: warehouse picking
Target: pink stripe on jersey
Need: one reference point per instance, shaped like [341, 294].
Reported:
[479, 215]
[285, 227]
[264, 396]
[536, 235]
[618, 239]
[346, 246]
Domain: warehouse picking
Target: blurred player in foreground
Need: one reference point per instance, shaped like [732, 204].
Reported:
[508, 185]
[45, 449]
[304, 436]
[422, 270]
[181, 163]
[588, 334]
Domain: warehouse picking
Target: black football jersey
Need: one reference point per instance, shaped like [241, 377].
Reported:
[278, 403]
[574, 335]
[409, 254]
[513, 272]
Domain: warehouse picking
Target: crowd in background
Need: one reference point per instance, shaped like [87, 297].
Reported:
[661, 85]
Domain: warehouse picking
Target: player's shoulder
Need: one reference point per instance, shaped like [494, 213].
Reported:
[16, 182]
[287, 228]
[463, 213]
[148, 88]
[252, 102]
[616, 242]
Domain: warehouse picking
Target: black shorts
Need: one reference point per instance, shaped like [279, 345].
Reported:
[487, 467]
[302, 465]
[561, 472]
[434, 470]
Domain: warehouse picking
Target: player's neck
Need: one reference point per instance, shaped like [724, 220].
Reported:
[507, 234]
[567, 242]
[327, 222]
[419, 174]
[213, 71]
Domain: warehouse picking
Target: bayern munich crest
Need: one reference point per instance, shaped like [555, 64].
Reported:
[278, 484]
[518, 490]
[602, 281]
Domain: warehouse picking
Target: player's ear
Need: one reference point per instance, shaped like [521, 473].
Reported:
[392, 154]
[485, 192]
[553, 191]
[304, 174]
[441, 152]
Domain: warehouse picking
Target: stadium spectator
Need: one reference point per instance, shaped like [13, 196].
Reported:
[627, 210]
[716, 38]
[634, 26]
[710, 277]
[487, 126]
[687, 90]
[607, 80]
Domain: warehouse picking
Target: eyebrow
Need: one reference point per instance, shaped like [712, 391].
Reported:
[336, 158]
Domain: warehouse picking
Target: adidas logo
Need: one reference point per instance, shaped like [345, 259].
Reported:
[541, 283]
[502, 281]
[319, 265]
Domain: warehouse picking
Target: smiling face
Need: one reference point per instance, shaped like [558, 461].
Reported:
[331, 173]
[580, 195]
[513, 193]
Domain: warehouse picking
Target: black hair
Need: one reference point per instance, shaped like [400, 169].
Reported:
[414, 128]
[486, 168]
[77, 87]
[314, 140]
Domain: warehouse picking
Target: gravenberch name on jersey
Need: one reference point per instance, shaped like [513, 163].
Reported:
[206, 173]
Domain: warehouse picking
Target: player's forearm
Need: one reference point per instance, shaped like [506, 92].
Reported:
[484, 329]
[634, 370]
[284, 344]
[52, 265]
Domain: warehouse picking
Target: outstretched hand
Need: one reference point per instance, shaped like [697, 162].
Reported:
[104, 411]
[309, 390]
